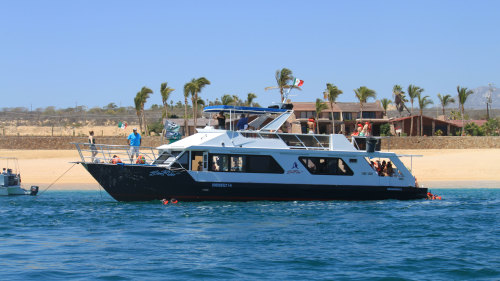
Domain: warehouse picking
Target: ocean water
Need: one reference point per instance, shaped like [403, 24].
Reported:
[86, 235]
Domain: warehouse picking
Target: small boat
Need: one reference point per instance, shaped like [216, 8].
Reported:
[258, 163]
[10, 179]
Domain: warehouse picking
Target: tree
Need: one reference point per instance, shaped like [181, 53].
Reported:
[139, 102]
[227, 100]
[463, 94]
[385, 103]
[283, 77]
[187, 92]
[399, 99]
[363, 94]
[331, 95]
[194, 87]
[250, 98]
[413, 92]
[445, 100]
[423, 102]
[320, 106]
[165, 94]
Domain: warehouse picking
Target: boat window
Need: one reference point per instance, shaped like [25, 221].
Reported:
[166, 158]
[197, 160]
[219, 162]
[326, 166]
[182, 162]
[383, 167]
[237, 163]
[262, 164]
[244, 164]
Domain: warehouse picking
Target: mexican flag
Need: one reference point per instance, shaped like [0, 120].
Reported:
[122, 125]
[298, 82]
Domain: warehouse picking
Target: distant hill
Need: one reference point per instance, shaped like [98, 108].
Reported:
[478, 99]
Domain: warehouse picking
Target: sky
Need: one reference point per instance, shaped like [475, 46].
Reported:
[85, 52]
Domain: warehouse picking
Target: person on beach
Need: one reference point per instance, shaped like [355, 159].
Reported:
[242, 123]
[222, 120]
[134, 140]
[93, 148]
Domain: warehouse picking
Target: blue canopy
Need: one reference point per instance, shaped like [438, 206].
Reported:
[242, 109]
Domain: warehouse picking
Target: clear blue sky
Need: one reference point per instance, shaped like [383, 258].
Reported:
[96, 52]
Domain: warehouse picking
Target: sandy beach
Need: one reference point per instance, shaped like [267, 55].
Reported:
[437, 168]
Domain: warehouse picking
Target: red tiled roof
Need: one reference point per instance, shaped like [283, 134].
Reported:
[339, 106]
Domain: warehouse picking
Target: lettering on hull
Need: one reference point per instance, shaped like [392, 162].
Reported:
[163, 173]
[222, 185]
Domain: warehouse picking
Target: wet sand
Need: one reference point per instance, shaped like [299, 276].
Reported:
[447, 168]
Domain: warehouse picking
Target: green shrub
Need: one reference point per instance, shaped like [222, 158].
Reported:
[472, 129]
[491, 127]
[385, 129]
[438, 133]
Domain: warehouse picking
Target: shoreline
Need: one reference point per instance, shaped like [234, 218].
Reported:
[446, 168]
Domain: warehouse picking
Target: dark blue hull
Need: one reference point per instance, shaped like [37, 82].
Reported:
[145, 183]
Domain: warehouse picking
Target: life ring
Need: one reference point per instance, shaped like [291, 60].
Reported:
[174, 201]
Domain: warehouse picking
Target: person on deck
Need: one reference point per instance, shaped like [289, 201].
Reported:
[134, 140]
[242, 123]
[93, 148]
[222, 120]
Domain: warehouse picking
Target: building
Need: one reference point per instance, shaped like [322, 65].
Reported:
[372, 112]
[402, 126]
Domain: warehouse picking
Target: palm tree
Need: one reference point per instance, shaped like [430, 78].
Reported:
[423, 102]
[413, 92]
[194, 87]
[227, 100]
[331, 94]
[143, 98]
[165, 94]
[445, 100]
[320, 106]
[138, 111]
[236, 100]
[399, 98]
[283, 77]
[385, 103]
[463, 94]
[200, 83]
[250, 98]
[363, 93]
[187, 92]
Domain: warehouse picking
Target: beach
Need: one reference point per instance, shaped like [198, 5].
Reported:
[475, 168]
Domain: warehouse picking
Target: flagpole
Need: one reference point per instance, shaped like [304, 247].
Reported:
[286, 95]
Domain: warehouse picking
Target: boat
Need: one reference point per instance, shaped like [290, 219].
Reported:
[10, 179]
[258, 163]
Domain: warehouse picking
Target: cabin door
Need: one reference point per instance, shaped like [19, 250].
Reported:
[205, 161]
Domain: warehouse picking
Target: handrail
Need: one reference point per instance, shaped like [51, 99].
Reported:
[103, 153]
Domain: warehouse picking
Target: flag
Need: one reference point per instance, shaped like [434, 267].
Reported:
[122, 125]
[298, 82]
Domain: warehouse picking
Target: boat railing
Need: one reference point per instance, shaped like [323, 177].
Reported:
[294, 141]
[105, 153]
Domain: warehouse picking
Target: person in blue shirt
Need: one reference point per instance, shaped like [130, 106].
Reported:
[242, 123]
[134, 140]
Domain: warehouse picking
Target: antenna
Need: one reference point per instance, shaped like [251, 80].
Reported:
[488, 99]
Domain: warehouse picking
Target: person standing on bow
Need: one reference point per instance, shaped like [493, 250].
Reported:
[134, 140]
[93, 148]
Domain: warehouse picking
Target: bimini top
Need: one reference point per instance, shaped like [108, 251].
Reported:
[242, 109]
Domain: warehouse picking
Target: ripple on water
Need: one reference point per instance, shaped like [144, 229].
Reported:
[88, 235]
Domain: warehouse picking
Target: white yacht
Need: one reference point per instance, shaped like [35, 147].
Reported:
[259, 163]
[10, 178]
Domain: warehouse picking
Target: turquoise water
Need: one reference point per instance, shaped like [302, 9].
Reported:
[87, 235]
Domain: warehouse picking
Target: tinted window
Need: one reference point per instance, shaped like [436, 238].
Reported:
[244, 164]
[326, 166]
[182, 162]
